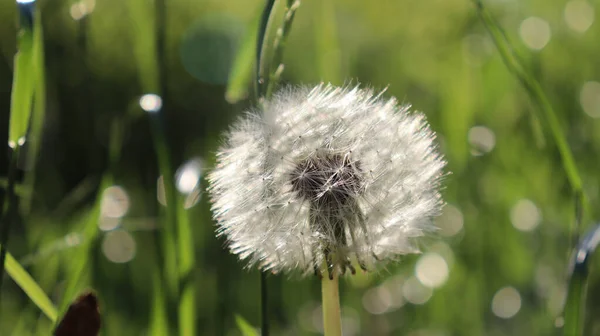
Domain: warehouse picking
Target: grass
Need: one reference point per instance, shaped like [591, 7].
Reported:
[28, 94]
[30, 287]
[518, 69]
[574, 308]
[394, 43]
[178, 245]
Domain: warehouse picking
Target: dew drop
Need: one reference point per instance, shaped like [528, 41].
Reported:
[151, 103]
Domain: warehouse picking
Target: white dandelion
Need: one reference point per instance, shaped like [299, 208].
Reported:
[327, 174]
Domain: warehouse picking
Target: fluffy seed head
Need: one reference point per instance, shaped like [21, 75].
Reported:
[328, 174]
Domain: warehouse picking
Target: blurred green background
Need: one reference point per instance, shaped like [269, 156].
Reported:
[500, 264]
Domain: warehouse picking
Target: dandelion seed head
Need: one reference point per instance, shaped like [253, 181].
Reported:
[329, 174]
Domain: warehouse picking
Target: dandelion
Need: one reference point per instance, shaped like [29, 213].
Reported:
[326, 176]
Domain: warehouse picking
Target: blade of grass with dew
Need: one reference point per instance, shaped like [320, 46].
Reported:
[245, 328]
[327, 46]
[20, 110]
[24, 76]
[241, 70]
[30, 287]
[37, 117]
[574, 309]
[535, 92]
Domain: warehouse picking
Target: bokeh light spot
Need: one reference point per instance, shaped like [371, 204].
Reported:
[506, 302]
[209, 46]
[415, 293]
[579, 15]
[589, 97]
[432, 270]
[394, 287]
[535, 33]
[350, 321]
[82, 8]
[119, 246]
[115, 202]
[482, 139]
[188, 176]
[151, 103]
[377, 300]
[525, 215]
[451, 221]
[476, 49]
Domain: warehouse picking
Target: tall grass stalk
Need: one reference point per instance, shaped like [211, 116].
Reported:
[574, 309]
[517, 67]
[20, 109]
[178, 245]
[268, 72]
[270, 67]
[28, 83]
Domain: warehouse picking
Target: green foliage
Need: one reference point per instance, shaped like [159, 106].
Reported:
[434, 54]
[245, 328]
[30, 287]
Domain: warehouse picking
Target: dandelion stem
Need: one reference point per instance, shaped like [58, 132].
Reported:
[332, 321]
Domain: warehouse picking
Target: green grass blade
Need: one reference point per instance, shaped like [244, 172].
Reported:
[327, 44]
[241, 71]
[574, 309]
[536, 94]
[30, 287]
[39, 110]
[143, 24]
[23, 87]
[245, 328]
[178, 238]
[276, 65]
[185, 242]
[159, 325]
[261, 59]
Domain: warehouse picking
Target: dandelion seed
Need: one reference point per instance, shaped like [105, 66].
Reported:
[328, 174]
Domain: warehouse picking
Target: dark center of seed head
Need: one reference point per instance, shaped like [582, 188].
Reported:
[327, 179]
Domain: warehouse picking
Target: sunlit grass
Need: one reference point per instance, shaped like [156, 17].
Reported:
[28, 92]
[416, 48]
[575, 308]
